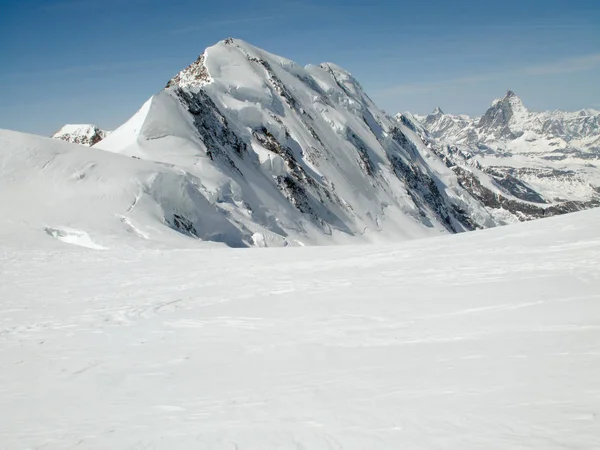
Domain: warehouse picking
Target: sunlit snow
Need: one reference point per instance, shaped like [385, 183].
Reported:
[487, 339]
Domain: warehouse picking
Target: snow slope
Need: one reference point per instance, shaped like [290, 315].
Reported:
[94, 198]
[489, 339]
[83, 196]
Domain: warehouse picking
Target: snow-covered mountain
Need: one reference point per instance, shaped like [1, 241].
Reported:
[83, 134]
[245, 148]
[248, 148]
[530, 164]
[295, 154]
[509, 126]
[122, 327]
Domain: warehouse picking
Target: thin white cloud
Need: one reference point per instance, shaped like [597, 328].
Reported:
[69, 5]
[570, 65]
[114, 66]
[419, 88]
[567, 65]
[222, 23]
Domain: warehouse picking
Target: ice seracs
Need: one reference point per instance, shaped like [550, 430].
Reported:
[54, 190]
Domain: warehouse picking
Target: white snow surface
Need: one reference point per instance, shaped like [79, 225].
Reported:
[488, 339]
[84, 196]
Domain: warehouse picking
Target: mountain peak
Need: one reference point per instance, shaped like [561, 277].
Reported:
[227, 56]
[514, 100]
[437, 111]
[511, 104]
[84, 134]
[194, 74]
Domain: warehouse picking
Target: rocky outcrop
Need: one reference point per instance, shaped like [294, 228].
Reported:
[81, 134]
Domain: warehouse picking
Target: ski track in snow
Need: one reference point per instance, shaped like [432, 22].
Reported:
[483, 340]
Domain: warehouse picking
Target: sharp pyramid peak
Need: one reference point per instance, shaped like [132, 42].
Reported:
[512, 98]
[237, 43]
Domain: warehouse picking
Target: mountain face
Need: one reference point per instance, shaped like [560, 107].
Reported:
[83, 134]
[294, 155]
[504, 119]
[247, 148]
[529, 164]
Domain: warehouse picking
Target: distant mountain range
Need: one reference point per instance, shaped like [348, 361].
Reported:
[529, 164]
[509, 126]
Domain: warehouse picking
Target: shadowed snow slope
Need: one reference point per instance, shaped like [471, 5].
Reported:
[488, 339]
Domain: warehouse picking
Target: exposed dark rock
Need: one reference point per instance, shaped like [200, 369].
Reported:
[184, 225]
[523, 210]
[195, 73]
[212, 127]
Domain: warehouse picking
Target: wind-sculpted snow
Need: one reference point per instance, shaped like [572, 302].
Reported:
[484, 340]
[97, 199]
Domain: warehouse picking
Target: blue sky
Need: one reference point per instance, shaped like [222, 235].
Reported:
[97, 61]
